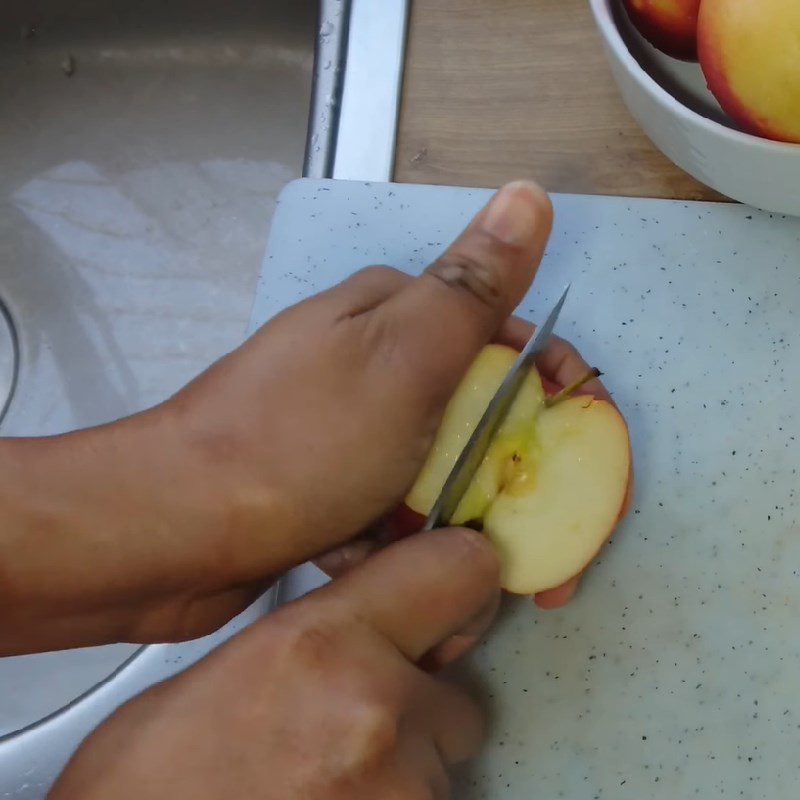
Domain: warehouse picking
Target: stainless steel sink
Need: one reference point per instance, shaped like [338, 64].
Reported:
[142, 146]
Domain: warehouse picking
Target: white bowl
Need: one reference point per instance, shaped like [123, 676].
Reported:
[671, 102]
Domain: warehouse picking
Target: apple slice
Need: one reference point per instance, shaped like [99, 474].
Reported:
[462, 414]
[552, 485]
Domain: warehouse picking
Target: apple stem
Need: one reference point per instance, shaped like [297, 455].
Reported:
[572, 388]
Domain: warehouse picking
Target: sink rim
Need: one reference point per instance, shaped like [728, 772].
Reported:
[32, 756]
[40, 723]
[9, 368]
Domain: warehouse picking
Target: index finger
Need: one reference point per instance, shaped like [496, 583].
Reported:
[419, 592]
[560, 363]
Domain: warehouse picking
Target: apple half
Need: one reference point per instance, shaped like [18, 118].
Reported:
[551, 487]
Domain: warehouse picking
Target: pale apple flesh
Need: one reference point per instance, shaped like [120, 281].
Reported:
[552, 486]
[462, 414]
[550, 520]
[749, 56]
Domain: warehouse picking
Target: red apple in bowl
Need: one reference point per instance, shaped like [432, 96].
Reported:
[750, 54]
[551, 488]
[669, 25]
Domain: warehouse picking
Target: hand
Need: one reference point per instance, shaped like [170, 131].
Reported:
[348, 388]
[164, 525]
[322, 699]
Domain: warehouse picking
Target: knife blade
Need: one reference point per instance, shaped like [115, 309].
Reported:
[472, 455]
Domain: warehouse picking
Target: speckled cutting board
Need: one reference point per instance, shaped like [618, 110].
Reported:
[675, 673]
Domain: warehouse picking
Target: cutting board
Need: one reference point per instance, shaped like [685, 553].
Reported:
[675, 673]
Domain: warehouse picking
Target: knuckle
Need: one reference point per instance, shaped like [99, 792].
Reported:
[477, 276]
[380, 271]
[371, 286]
[372, 737]
[376, 274]
[309, 643]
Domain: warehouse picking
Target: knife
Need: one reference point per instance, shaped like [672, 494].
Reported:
[474, 452]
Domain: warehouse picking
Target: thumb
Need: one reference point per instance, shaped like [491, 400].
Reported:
[420, 592]
[445, 316]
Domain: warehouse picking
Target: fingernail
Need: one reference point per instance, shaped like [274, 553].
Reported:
[513, 213]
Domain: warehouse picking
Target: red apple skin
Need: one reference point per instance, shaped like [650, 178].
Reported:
[713, 51]
[669, 25]
[404, 521]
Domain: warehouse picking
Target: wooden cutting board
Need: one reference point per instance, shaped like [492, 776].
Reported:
[502, 89]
